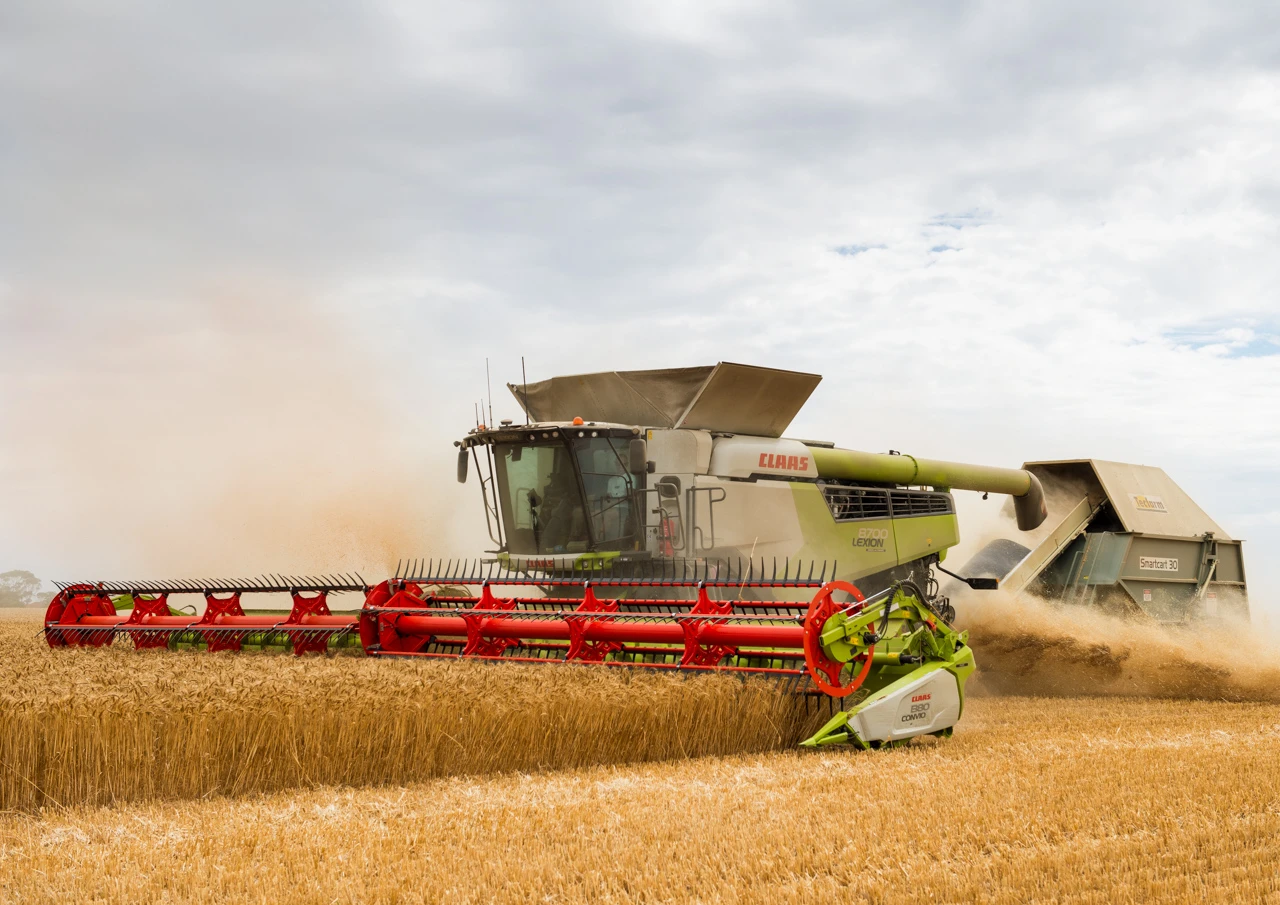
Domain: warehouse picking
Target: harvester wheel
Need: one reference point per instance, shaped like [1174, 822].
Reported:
[824, 669]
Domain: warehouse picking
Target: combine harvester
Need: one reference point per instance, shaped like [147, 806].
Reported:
[659, 520]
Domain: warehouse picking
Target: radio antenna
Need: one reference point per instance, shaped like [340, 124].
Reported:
[488, 385]
[524, 378]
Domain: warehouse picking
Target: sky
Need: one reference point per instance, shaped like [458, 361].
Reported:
[253, 257]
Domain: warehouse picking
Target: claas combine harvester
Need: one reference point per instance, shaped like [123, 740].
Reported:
[652, 520]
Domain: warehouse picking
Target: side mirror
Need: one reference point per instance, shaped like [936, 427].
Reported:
[639, 463]
[462, 465]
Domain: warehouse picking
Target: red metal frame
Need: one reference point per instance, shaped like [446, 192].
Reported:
[824, 669]
[85, 616]
[402, 617]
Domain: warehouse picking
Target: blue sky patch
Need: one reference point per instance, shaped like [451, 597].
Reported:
[851, 251]
[1242, 340]
[962, 220]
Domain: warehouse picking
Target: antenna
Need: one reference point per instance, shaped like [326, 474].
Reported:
[524, 378]
[477, 408]
[489, 388]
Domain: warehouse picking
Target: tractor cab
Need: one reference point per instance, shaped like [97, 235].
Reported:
[559, 491]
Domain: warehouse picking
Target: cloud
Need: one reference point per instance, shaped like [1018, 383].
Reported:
[599, 186]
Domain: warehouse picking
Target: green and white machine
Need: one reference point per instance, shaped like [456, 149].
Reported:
[690, 463]
[661, 520]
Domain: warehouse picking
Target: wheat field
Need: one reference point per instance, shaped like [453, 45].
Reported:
[1038, 800]
[188, 777]
[115, 725]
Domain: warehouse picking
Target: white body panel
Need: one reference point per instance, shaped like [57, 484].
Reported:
[755, 519]
[742, 457]
[679, 451]
[929, 704]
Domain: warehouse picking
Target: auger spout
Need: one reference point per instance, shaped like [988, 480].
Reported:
[881, 468]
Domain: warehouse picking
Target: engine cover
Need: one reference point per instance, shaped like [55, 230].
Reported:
[929, 704]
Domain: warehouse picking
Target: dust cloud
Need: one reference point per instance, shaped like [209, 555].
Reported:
[1028, 646]
[247, 432]
[1025, 646]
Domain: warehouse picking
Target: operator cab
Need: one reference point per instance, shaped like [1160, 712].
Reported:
[562, 489]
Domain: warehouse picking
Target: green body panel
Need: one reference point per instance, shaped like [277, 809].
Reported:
[924, 534]
[823, 538]
[852, 465]
[859, 546]
[911, 628]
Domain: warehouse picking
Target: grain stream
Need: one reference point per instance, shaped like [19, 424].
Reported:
[1025, 646]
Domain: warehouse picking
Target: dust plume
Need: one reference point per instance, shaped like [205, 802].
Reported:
[1026, 646]
[248, 431]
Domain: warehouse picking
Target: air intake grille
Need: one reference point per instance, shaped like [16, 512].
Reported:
[907, 503]
[848, 504]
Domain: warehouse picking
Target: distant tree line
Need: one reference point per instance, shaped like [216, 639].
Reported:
[19, 588]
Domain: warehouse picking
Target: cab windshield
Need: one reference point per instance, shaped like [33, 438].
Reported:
[567, 497]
